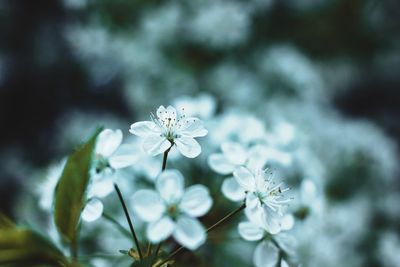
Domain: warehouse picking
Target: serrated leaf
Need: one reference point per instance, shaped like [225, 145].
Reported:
[25, 247]
[70, 194]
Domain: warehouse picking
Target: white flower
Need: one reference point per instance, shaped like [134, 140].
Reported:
[202, 106]
[110, 155]
[267, 252]
[172, 210]
[264, 198]
[170, 128]
[234, 155]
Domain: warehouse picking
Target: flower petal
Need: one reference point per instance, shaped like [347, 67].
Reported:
[284, 263]
[126, 155]
[189, 232]
[156, 144]
[232, 190]
[196, 201]
[244, 178]
[234, 152]
[192, 127]
[188, 146]
[148, 205]
[160, 230]
[166, 113]
[220, 164]
[272, 220]
[170, 185]
[250, 232]
[108, 141]
[144, 128]
[93, 210]
[266, 255]
[101, 187]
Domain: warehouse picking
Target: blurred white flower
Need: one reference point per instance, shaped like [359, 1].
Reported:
[45, 190]
[264, 198]
[221, 24]
[267, 251]
[388, 249]
[168, 129]
[202, 106]
[172, 210]
[110, 155]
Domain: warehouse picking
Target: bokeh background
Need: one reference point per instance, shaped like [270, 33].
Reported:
[319, 76]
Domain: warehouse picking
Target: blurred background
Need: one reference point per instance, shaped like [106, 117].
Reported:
[319, 76]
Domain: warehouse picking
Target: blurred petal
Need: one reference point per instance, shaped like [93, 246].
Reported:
[160, 230]
[188, 146]
[220, 164]
[148, 205]
[92, 211]
[144, 128]
[284, 263]
[156, 144]
[272, 221]
[232, 190]
[108, 141]
[266, 255]
[287, 222]
[196, 201]
[234, 152]
[250, 232]
[244, 178]
[287, 242]
[126, 155]
[101, 188]
[170, 185]
[189, 232]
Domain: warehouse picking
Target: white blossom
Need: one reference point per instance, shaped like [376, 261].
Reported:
[172, 210]
[264, 198]
[170, 128]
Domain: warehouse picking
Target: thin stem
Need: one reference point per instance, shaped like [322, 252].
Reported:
[211, 228]
[122, 229]
[227, 217]
[128, 218]
[164, 162]
[74, 250]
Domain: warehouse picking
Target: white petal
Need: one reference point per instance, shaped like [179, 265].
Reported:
[272, 220]
[144, 128]
[148, 205]
[126, 155]
[101, 187]
[244, 178]
[189, 232]
[92, 211]
[234, 152]
[160, 230]
[284, 263]
[287, 242]
[192, 127]
[170, 185]
[220, 164]
[188, 146]
[257, 157]
[266, 255]
[196, 201]
[166, 113]
[156, 144]
[250, 232]
[108, 141]
[232, 190]
[287, 222]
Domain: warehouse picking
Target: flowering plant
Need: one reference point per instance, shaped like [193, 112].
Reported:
[167, 212]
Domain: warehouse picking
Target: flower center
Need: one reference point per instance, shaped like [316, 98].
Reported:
[101, 163]
[173, 211]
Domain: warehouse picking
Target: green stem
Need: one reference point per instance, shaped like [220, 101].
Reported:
[164, 162]
[122, 229]
[211, 228]
[128, 218]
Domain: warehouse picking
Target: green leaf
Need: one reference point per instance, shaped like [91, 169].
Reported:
[70, 194]
[5, 222]
[25, 247]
